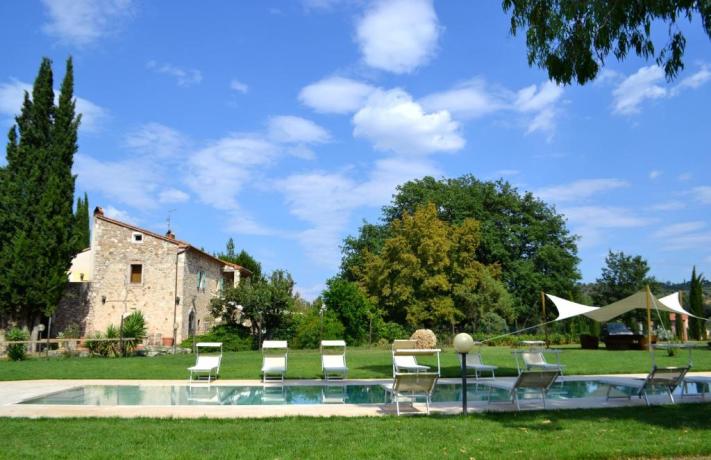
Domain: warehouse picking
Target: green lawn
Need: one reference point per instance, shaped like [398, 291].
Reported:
[363, 363]
[663, 431]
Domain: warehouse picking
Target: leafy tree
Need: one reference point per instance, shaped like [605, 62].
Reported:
[524, 236]
[264, 303]
[243, 259]
[313, 327]
[572, 38]
[82, 224]
[697, 327]
[351, 307]
[37, 240]
[622, 276]
[427, 274]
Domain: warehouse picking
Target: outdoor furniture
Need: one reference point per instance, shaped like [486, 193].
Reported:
[334, 393]
[527, 380]
[405, 354]
[274, 358]
[407, 387]
[534, 359]
[473, 362]
[333, 359]
[698, 380]
[207, 363]
[668, 378]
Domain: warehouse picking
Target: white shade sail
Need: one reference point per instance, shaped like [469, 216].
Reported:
[568, 309]
[672, 303]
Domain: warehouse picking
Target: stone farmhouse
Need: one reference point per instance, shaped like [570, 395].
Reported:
[128, 268]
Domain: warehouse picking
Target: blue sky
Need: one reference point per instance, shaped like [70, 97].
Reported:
[285, 124]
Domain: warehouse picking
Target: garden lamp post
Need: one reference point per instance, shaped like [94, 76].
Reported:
[321, 311]
[463, 344]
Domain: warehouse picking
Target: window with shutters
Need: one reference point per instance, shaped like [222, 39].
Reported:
[136, 273]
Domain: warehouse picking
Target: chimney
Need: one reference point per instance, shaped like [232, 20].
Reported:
[170, 235]
[98, 211]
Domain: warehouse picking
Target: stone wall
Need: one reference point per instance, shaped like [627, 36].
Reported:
[73, 308]
[198, 300]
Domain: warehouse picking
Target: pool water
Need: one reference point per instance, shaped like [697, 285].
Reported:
[181, 395]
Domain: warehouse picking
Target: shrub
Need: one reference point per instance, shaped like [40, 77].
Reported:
[134, 326]
[491, 323]
[17, 352]
[308, 329]
[425, 338]
[105, 348]
[233, 338]
[391, 331]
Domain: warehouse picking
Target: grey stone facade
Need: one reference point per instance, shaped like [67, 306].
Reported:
[169, 281]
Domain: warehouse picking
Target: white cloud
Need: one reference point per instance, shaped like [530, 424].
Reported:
[695, 80]
[156, 139]
[81, 22]
[654, 174]
[541, 102]
[679, 229]
[593, 223]
[335, 95]
[638, 87]
[296, 130]
[119, 214]
[669, 206]
[183, 77]
[396, 123]
[320, 4]
[398, 35]
[607, 76]
[702, 194]
[238, 86]
[579, 190]
[470, 99]
[694, 241]
[173, 195]
[12, 95]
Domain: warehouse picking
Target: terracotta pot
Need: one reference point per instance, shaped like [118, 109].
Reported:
[167, 341]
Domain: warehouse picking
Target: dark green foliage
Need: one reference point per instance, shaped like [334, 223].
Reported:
[82, 224]
[313, 327]
[697, 329]
[134, 327]
[37, 240]
[17, 351]
[351, 307]
[264, 302]
[522, 234]
[621, 276]
[571, 38]
[243, 259]
[390, 331]
[233, 338]
[491, 323]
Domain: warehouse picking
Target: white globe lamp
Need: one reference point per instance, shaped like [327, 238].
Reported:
[463, 344]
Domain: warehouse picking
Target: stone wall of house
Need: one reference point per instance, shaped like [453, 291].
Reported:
[73, 308]
[112, 292]
[195, 299]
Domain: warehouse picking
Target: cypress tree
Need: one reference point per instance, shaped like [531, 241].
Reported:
[36, 196]
[696, 306]
[81, 224]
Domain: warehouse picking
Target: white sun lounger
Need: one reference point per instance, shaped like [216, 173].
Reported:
[206, 364]
[696, 380]
[406, 387]
[333, 359]
[535, 360]
[530, 380]
[473, 362]
[405, 354]
[668, 378]
[274, 358]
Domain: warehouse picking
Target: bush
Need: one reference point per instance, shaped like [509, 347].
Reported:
[425, 338]
[391, 331]
[105, 348]
[308, 329]
[17, 352]
[134, 326]
[491, 323]
[233, 338]
[554, 338]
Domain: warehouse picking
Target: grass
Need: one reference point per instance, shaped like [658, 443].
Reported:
[306, 364]
[661, 431]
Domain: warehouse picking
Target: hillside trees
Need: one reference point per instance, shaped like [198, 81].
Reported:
[571, 38]
[37, 238]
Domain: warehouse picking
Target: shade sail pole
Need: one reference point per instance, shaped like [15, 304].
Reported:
[680, 332]
[545, 325]
[649, 320]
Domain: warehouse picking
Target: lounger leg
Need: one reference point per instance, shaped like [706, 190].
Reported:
[671, 396]
[397, 405]
[609, 389]
[646, 399]
[515, 397]
[543, 397]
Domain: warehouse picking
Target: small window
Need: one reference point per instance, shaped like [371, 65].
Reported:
[137, 237]
[201, 280]
[136, 273]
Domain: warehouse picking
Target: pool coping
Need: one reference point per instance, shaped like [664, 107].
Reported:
[13, 392]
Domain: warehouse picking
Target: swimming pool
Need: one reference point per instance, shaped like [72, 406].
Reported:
[183, 395]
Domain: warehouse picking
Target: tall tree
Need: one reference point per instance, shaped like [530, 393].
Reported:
[243, 259]
[622, 276]
[82, 224]
[352, 308]
[524, 236]
[230, 248]
[37, 195]
[572, 38]
[697, 327]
